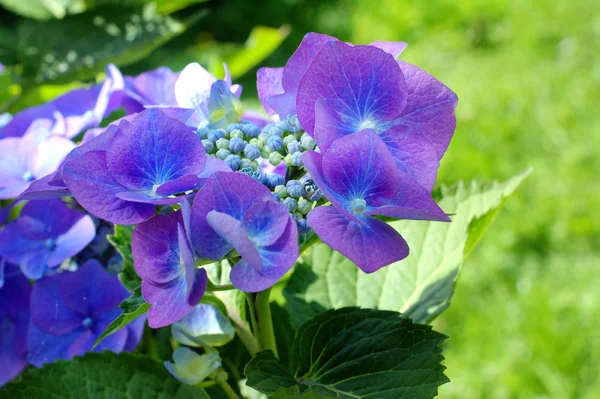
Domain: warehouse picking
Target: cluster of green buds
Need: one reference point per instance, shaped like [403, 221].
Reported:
[244, 146]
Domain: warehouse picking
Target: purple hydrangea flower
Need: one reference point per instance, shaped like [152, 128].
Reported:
[14, 321]
[359, 176]
[233, 211]
[70, 310]
[27, 158]
[347, 89]
[163, 259]
[278, 87]
[154, 88]
[73, 112]
[145, 163]
[45, 234]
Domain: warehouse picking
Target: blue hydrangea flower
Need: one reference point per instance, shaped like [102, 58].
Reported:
[14, 322]
[233, 211]
[70, 310]
[25, 159]
[162, 256]
[145, 163]
[359, 176]
[73, 112]
[45, 234]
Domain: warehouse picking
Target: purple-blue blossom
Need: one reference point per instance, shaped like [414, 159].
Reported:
[163, 258]
[14, 322]
[69, 311]
[45, 234]
[233, 211]
[359, 176]
[144, 164]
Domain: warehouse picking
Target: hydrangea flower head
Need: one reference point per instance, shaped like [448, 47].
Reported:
[14, 321]
[70, 310]
[359, 176]
[45, 234]
[234, 211]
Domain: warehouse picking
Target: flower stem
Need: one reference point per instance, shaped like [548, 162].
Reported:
[224, 287]
[265, 332]
[228, 390]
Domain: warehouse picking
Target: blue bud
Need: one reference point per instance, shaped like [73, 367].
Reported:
[233, 126]
[276, 197]
[272, 130]
[297, 159]
[250, 129]
[295, 188]
[209, 146]
[246, 163]
[236, 145]
[273, 180]
[291, 203]
[294, 147]
[275, 143]
[215, 135]
[316, 196]
[292, 124]
[256, 175]
[234, 162]
[303, 226]
[251, 152]
[203, 130]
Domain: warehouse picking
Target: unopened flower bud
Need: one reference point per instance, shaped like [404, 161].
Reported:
[236, 133]
[291, 203]
[295, 188]
[275, 158]
[281, 191]
[304, 206]
[222, 144]
[294, 146]
[275, 143]
[209, 146]
[297, 159]
[192, 368]
[251, 152]
[236, 144]
[308, 142]
[234, 161]
[215, 135]
[222, 154]
[250, 129]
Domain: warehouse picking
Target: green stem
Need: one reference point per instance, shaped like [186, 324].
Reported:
[224, 287]
[228, 390]
[251, 297]
[265, 332]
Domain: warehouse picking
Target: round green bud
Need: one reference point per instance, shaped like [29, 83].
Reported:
[281, 191]
[236, 133]
[223, 144]
[222, 154]
[304, 206]
[275, 158]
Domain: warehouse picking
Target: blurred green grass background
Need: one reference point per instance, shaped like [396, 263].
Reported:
[525, 318]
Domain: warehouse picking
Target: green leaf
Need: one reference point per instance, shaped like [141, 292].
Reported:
[259, 45]
[57, 9]
[355, 353]
[421, 285]
[121, 240]
[133, 307]
[98, 375]
[116, 35]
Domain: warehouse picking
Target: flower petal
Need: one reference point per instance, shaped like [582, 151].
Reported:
[429, 108]
[73, 241]
[371, 244]
[361, 166]
[268, 83]
[392, 48]
[232, 230]
[93, 187]
[154, 149]
[225, 192]
[47, 310]
[266, 221]
[363, 84]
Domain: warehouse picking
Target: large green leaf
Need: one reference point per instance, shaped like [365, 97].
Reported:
[106, 35]
[355, 353]
[99, 375]
[421, 285]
